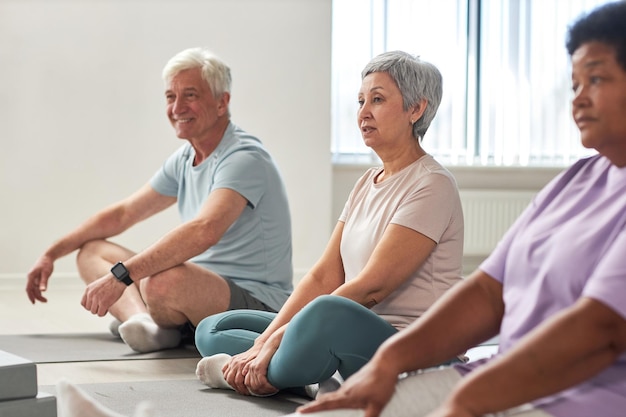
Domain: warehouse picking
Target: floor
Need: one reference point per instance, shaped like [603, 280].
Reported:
[64, 314]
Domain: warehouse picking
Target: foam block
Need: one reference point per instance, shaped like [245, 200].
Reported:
[18, 378]
[43, 405]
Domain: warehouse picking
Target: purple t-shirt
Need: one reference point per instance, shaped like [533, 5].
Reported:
[569, 243]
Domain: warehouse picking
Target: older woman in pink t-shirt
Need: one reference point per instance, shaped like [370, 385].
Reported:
[395, 250]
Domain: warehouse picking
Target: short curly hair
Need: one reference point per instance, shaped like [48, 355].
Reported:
[605, 24]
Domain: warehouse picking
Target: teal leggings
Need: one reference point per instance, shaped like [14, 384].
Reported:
[330, 334]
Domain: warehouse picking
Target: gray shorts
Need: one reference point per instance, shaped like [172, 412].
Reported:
[242, 299]
[239, 299]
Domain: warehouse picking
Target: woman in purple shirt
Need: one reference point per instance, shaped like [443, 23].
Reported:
[554, 289]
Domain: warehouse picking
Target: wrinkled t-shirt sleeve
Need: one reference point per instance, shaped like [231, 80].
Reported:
[429, 208]
[608, 282]
[245, 172]
[166, 180]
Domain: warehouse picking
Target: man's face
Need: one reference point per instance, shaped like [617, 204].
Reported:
[599, 104]
[192, 109]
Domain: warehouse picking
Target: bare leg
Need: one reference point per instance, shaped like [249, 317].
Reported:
[185, 293]
[138, 330]
[152, 310]
[95, 260]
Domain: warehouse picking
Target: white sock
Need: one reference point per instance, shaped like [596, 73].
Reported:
[331, 384]
[74, 402]
[209, 371]
[114, 327]
[143, 335]
[145, 409]
[323, 387]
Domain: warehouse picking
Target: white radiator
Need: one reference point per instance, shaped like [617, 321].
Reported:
[488, 214]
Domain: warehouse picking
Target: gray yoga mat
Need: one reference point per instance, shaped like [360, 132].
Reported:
[83, 347]
[186, 398]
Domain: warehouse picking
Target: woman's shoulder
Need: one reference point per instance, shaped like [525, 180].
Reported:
[428, 170]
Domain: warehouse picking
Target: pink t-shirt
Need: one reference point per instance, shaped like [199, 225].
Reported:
[423, 197]
[569, 243]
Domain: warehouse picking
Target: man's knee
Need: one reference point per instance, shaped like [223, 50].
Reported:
[156, 288]
[90, 249]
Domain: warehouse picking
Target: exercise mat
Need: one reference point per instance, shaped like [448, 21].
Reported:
[83, 347]
[186, 398]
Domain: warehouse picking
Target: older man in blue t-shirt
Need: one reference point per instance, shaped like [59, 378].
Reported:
[233, 248]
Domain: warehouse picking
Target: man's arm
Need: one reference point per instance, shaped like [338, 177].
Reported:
[108, 222]
[565, 350]
[219, 212]
[221, 209]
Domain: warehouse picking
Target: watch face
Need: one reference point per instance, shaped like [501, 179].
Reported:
[118, 270]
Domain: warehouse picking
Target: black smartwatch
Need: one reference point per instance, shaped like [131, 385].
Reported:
[120, 272]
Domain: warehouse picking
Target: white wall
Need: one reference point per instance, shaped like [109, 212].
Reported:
[82, 119]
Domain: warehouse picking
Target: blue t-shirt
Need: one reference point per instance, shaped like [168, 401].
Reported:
[255, 252]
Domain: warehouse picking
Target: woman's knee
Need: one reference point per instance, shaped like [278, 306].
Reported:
[323, 313]
[205, 337]
[326, 306]
[231, 332]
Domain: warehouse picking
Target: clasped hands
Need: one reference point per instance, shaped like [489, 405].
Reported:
[246, 373]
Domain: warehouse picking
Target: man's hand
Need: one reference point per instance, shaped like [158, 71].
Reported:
[38, 279]
[369, 389]
[101, 294]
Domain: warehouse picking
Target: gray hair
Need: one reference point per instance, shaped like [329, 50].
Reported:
[214, 71]
[416, 80]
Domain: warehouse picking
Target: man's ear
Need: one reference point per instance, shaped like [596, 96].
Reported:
[223, 102]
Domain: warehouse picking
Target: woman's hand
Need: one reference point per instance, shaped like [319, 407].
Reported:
[234, 370]
[369, 389]
[255, 370]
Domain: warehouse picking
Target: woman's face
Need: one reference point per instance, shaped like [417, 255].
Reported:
[381, 117]
[599, 104]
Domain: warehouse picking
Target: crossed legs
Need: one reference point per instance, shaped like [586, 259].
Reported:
[152, 310]
[330, 334]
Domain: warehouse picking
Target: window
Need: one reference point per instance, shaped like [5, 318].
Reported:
[506, 76]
